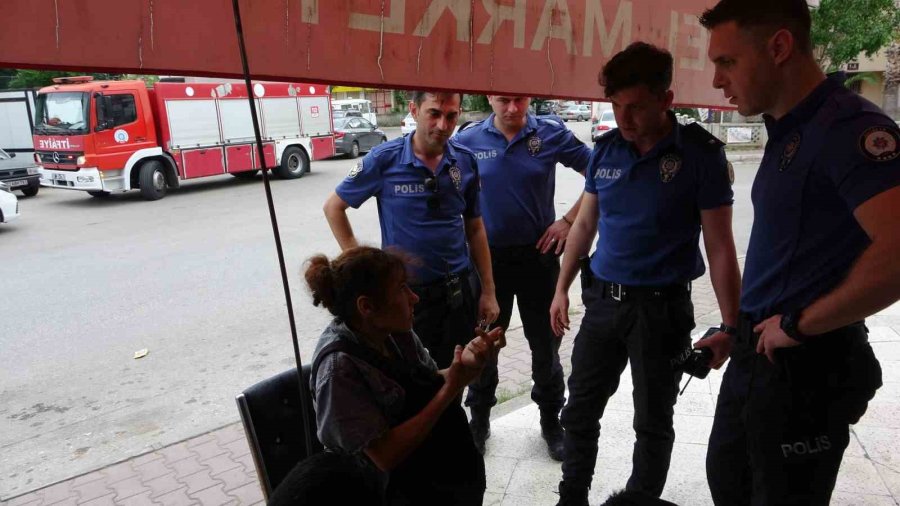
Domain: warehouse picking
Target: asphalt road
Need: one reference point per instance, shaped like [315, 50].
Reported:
[193, 279]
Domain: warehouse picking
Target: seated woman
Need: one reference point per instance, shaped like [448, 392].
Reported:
[377, 391]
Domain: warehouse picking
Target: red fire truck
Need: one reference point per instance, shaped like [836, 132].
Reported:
[113, 136]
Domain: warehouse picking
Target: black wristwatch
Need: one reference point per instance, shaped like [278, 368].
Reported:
[728, 329]
[789, 323]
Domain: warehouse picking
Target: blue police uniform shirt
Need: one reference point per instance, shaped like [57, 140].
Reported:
[434, 234]
[832, 152]
[518, 178]
[649, 225]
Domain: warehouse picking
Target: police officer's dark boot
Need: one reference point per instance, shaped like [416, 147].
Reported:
[570, 495]
[480, 425]
[552, 432]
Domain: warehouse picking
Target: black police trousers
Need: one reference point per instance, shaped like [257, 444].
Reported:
[440, 324]
[648, 331]
[781, 429]
[530, 277]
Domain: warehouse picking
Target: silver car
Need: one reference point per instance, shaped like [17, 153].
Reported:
[576, 112]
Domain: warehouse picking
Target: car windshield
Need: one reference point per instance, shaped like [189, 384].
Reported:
[4, 155]
[61, 113]
[607, 116]
[341, 123]
[338, 114]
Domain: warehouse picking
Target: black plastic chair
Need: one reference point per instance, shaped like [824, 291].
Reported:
[273, 420]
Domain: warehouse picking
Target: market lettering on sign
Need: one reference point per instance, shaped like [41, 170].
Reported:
[555, 22]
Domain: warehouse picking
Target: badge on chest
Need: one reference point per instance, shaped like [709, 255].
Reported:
[790, 151]
[534, 145]
[669, 166]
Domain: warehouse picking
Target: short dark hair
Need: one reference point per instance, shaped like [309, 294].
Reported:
[765, 17]
[419, 96]
[639, 63]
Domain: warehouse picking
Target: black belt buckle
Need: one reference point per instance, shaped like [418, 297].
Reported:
[454, 292]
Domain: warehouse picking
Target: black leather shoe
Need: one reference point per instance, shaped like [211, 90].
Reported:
[572, 496]
[480, 426]
[552, 432]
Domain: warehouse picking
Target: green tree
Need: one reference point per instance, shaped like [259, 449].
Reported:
[39, 78]
[844, 29]
[476, 103]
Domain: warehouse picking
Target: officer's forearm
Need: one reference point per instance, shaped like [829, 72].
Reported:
[572, 214]
[577, 246]
[340, 224]
[725, 275]
[481, 254]
[872, 285]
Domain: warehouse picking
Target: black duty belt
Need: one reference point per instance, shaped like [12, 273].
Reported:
[746, 336]
[621, 293]
[438, 288]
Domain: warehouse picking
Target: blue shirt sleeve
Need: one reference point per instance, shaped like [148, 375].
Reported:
[714, 181]
[863, 156]
[589, 185]
[573, 153]
[473, 192]
[362, 182]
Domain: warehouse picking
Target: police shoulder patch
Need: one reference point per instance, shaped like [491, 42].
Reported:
[699, 135]
[730, 173]
[880, 143]
[355, 170]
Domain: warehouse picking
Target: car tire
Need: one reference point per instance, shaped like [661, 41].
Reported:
[152, 179]
[579, 118]
[250, 174]
[99, 194]
[354, 150]
[294, 163]
[31, 190]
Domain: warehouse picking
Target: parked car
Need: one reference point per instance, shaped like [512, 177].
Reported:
[345, 114]
[546, 108]
[605, 123]
[408, 125]
[9, 204]
[353, 136]
[19, 173]
[576, 112]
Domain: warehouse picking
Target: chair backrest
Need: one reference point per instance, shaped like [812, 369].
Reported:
[273, 420]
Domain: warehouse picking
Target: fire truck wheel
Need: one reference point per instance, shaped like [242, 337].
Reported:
[98, 194]
[354, 150]
[153, 180]
[294, 163]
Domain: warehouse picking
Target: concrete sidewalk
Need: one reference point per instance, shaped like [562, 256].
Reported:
[216, 468]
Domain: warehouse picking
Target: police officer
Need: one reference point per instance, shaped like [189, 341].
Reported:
[517, 154]
[651, 185]
[822, 257]
[427, 189]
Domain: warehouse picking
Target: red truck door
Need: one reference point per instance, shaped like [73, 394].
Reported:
[121, 126]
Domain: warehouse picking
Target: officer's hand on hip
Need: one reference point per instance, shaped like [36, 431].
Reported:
[488, 309]
[720, 345]
[559, 314]
[771, 337]
[554, 238]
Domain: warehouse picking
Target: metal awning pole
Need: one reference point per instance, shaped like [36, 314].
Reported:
[304, 408]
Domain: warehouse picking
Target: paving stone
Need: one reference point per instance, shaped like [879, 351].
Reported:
[128, 487]
[534, 483]
[87, 478]
[92, 490]
[199, 481]
[859, 476]
[213, 495]
[220, 464]
[175, 498]
[152, 469]
[237, 448]
[136, 500]
[247, 494]
[145, 459]
[235, 478]
[230, 433]
[187, 466]
[200, 440]
[105, 500]
[118, 472]
[24, 500]
[208, 450]
[175, 453]
[56, 493]
[163, 485]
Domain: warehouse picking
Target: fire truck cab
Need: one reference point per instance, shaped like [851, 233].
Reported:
[113, 136]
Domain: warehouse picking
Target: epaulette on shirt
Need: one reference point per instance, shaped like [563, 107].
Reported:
[551, 119]
[469, 124]
[699, 135]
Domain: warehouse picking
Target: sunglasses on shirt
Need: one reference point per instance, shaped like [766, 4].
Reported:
[434, 200]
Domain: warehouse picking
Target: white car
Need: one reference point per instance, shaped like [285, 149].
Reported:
[576, 112]
[408, 125]
[605, 123]
[9, 204]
